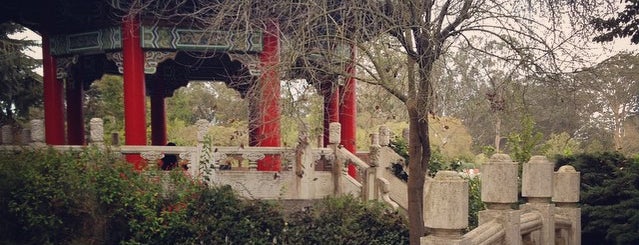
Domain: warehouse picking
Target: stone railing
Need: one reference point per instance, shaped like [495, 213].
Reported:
[306, 173]
[550, 216]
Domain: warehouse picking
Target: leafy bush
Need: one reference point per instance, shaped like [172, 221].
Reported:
[609, 197]
[346, 220]
[52, 197]
[93, 197]
[474, 201]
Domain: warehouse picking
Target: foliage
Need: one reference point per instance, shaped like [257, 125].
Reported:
[346, 220]
[609, 197]
[611, 88]
[400, 146]
[206, 100]
[525, 143]
[621, 26]
[105, 99]
[474, 201]
[59, 198]
[20, 86]
[92, 196]
[561, 144]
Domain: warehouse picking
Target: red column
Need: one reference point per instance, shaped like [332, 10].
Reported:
[348, 111]
[331, 107]
[134, 91]
[158, 120]
[75, 115]
[254, 118]
[53, 110]
[269, 86]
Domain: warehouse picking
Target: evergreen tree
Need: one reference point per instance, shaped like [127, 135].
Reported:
[609, 197]
[20, 86]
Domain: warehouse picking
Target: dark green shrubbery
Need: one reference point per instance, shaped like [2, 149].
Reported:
[93, 197]
[609, 197]
[346, 220]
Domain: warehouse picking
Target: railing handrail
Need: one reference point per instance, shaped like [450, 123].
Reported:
[384, 189]
[487, 233]
[131, 149]
[530, 222]
[562, 222]
[342, 152]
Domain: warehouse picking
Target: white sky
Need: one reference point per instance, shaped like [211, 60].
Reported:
[35, 52]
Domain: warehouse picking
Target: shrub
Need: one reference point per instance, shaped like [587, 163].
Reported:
[346, 220]
[609, 197]
[93, 197]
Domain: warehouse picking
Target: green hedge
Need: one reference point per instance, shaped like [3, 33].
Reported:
[609, 197]
[93, 197]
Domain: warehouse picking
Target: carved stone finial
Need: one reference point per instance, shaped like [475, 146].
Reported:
[202, 126]
[96, 130]
[37, 131]
[334, 133]
[374, 139]
[384, 135]
[537, 179]
[7, 135]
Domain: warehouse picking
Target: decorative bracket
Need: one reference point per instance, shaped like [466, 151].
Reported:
[118, 59]
[250, 61]
[63, 64]
[153, 58]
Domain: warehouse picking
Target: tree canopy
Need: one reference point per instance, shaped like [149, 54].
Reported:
[624, 24]
[20, 86]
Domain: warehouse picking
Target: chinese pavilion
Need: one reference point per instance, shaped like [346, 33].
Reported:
[84, 39]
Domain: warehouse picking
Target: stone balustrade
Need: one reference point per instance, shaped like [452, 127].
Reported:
[550, 215]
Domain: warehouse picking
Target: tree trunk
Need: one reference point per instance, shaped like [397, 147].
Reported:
[419, 107]
[416, 178]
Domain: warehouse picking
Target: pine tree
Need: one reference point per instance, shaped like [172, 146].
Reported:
[20, 86]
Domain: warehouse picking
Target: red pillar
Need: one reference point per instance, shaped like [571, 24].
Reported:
[331, 106]
[254, 118]
[75, 114]
[269, 86]
[53, 110]
[134, 91]
[158, 120]
[348, 111]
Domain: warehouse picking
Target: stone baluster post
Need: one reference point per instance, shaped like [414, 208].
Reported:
[537, 187]
[566, 196]
[334, 137]
[499, 191]
[96, 132]
[446, 209]
[384, 135]
[202, 126]
[7, 135]
[25, 136]
[37, 133]
[372, 172]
